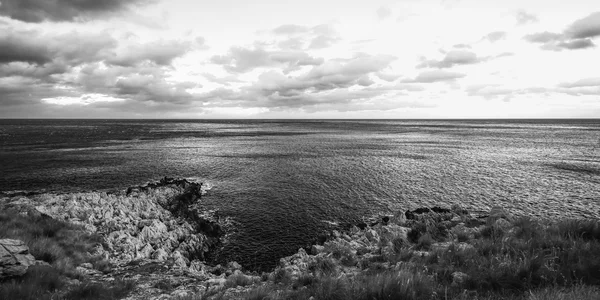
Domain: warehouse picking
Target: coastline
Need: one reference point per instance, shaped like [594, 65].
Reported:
[155, 234]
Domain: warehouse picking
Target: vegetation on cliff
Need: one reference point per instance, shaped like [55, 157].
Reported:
[148, 244]
[444, 255]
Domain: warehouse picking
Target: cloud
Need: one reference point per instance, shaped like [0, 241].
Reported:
[290, 29]
[39, 48]
[298, 37]
[242, 60]
[15, 49]
[19, 90]
[452, 58]
[524, 17]
[578, 35]
[55, 68]
[435, 76]
[588, 27]
[226, 81]
[143, 87]
[63, 10]
[333, 84]
[495, 36]
[543, 37]
[582, 87]
[323, 41]
[383, 12]
[159, 52]
[586, 82]
[139, 83]
[461, 46]
[493, 91]
[575, 44]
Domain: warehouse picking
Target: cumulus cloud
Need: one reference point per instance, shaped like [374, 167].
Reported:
[452, 58]
[524, 17]
[348, 81]
[588, 27]
[493, 91]
[298, 37]
[543, 37]
[288, 29]
[41, 65]
[137, 83]
[586, 82]
[578, 35]
[159, 52]
[383, 12]
[495, 36]
[242, 60]
[38, 48]
[582, 87]
[226, 81]
[331, 75]
[19, 90]
[435, 76]
[63, 10]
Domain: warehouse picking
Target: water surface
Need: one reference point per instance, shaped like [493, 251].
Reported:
[280, 180]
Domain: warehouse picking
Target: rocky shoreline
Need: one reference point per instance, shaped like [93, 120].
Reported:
[158, 236]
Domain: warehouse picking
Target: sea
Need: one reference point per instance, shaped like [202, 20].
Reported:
[285, 182]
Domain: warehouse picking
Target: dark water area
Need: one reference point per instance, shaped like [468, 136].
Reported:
[284, 181]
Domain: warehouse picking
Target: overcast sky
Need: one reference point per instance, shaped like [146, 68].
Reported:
[299, 59]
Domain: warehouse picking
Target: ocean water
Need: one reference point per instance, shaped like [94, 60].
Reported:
[284, 182]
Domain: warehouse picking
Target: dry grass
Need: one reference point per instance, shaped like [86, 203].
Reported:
[61, 244]
[529, 260]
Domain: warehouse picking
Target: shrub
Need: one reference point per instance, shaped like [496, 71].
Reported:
[330, 289]
[304, 280]
[115, 290]
[425, 242]
[61, 244]
[394, 285]
[164, 285]
[585, 229]
[398, 244]
[322, 265]
[40, 282]
[280, 275]
[579, 292]
[236, 280]
[261, 293]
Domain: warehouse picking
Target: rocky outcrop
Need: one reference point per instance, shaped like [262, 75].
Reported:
[163, 220]
[14, 258]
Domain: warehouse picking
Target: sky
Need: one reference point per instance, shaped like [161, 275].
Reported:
[299, 59]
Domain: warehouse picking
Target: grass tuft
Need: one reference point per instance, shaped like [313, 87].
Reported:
[101, 291]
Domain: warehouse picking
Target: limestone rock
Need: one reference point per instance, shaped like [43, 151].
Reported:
[14, 258]
[198, 267]
[296, 264]
[160, 255]
[145, 252]
[180, 260]
[459, 278]
[445, 246]
[316, 249]
[154, 232]
[372, 236]
[233, 265]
